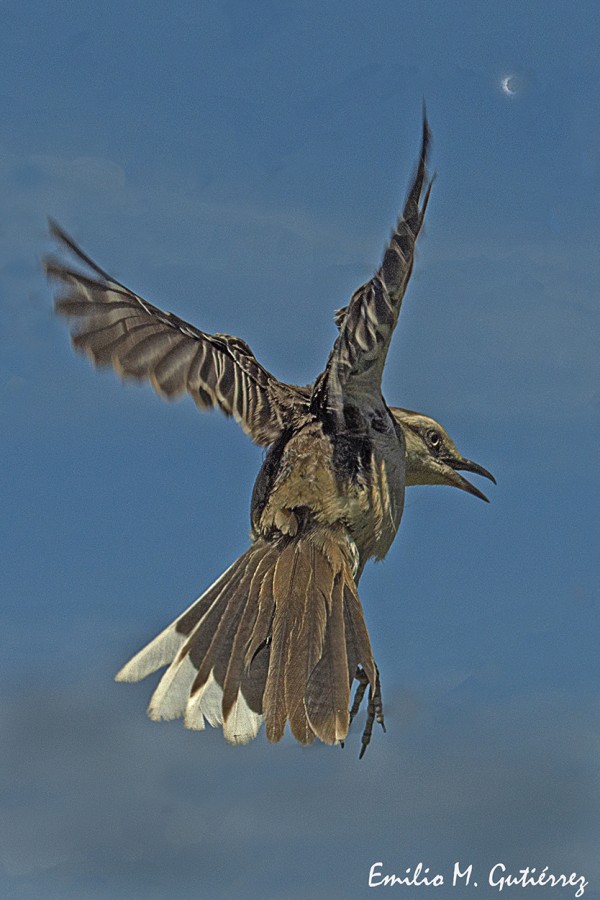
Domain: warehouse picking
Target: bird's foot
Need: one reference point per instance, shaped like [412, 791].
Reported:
[374, 707]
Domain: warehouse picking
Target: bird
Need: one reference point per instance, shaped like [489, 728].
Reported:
[280, 636]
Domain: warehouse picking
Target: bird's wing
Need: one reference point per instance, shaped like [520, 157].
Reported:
[116, 327]
[366, 325]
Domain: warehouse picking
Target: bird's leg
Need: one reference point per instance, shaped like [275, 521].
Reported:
[374, 713]
[363, 681]
[378, 702]
[359, 693]
[374, 708]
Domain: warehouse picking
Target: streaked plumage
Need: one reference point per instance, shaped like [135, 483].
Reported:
[281, 635]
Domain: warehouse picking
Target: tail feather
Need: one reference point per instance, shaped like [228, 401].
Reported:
[211, 649]
[277, 637]
[158, 653]
[162, 650]
[205, 703]
[352, 644]
[200, 638]
[199, 641]
[241, 724]
[356, 631]
[327, 696]
[306, 644]
[235, 667]
[284, 582]
[170, 698]
[254, 679]
[264, 619]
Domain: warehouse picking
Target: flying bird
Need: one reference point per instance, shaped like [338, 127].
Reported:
[280, 636]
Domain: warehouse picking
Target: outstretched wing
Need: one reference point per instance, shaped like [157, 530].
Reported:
[116, 327]
[355, 365]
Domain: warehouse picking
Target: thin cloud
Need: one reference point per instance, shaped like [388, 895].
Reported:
[99, 796]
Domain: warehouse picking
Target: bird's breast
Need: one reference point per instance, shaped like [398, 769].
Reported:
[311, 478]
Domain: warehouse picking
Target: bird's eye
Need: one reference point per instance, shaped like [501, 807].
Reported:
[433, 438]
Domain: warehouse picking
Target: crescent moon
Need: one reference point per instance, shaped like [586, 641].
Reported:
[505, 85]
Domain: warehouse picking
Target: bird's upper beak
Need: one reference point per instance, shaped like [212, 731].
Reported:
[466, 465]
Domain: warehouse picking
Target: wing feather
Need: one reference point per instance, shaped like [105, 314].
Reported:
[116, 327]
[355, 365]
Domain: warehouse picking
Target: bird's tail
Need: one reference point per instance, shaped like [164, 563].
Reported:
[278, 637]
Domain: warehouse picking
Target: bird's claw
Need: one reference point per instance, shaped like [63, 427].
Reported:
[374, 707]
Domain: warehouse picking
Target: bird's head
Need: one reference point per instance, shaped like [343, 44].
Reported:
[431, 455]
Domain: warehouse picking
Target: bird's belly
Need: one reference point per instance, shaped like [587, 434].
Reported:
[304, 486]
[307, 487]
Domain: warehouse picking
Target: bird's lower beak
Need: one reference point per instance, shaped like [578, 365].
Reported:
[466, 465]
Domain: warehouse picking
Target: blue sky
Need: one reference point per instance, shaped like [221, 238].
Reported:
[242, 165]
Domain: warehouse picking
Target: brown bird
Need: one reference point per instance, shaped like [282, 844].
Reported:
[281, 635]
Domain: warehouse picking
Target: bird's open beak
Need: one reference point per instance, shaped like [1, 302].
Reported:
[458, 481]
